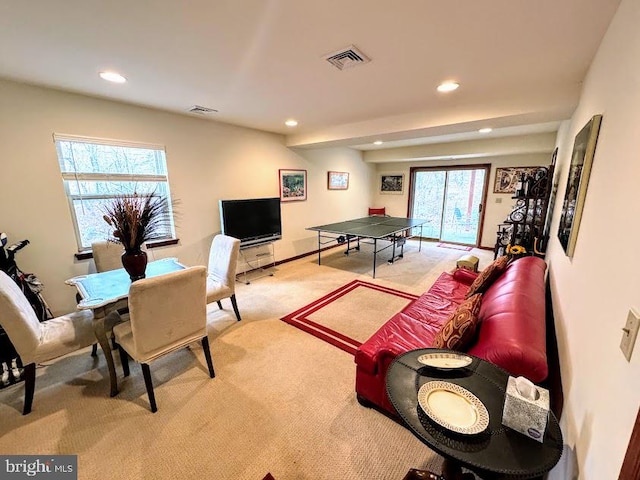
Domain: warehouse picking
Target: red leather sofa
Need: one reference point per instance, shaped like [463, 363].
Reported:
[511, 333]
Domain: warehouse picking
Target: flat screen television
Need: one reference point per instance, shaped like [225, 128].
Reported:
[252, 221]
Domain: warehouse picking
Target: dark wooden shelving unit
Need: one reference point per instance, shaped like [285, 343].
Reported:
[528, 223]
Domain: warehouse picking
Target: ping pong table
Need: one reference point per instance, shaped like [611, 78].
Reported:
[393, 230]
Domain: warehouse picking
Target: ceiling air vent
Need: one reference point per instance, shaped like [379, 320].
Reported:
[347, 57]
[202, 110]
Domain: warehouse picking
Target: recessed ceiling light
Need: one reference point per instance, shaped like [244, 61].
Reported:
[291, 122]
[485, 130]
[378, 142]
[112, 77]
[448, 86]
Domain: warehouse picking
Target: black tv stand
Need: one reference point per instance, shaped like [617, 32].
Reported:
[256, 261]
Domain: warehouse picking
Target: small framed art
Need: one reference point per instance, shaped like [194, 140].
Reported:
[392, 183]
[293, 185]
[507, 178]
[338, 180]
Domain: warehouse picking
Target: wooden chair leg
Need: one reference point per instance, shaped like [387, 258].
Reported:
[207, 354]
[146, 372]
[219, 304]
[235, 306]
[124, 360]
[29, 387]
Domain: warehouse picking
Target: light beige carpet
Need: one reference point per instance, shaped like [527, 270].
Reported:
[282, 401]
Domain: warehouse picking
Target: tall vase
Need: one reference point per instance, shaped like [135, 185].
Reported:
[135, 263]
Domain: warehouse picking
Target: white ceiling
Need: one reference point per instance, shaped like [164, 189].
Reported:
[259, 62]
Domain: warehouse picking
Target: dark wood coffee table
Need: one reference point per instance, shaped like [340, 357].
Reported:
[497, 452]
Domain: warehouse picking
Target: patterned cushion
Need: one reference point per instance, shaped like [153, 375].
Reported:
[488, 276]
[458, 332]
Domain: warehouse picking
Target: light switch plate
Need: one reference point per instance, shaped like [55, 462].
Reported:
[630, 333]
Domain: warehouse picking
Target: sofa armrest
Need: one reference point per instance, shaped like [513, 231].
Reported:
[464, 276]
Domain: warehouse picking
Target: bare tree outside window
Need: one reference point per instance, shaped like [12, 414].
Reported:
[95, 171]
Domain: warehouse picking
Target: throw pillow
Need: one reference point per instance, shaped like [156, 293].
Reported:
[488, 276]
[458, 331]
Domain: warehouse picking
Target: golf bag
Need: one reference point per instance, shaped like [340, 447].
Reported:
[10, 364]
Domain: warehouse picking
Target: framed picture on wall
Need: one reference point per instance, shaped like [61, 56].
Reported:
[293, 185]
[338, 180]
[584, 148]
[507, 178]
[392, 183]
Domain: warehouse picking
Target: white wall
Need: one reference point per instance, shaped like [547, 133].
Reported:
[206, 161]
[593, 291]
[497, 207]
[328, 206]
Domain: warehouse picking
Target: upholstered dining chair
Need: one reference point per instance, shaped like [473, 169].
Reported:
[378, 211]
[107, 255]
[38, 342]
[221, 278]
[166, 313]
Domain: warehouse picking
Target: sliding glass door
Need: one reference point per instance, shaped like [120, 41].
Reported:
[451, 199]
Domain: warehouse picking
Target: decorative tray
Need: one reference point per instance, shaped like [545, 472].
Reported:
[445, 361]
[453, 407]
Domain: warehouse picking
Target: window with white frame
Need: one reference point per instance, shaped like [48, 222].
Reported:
[94, 171]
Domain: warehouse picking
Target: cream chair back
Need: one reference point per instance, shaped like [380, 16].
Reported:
[107, 255]
[18, 319]
[167, 311]
[223, 260]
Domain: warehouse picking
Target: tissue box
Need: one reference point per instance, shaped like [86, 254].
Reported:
[525, 415]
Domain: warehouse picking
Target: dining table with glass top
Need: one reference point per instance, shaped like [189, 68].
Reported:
[108, 292]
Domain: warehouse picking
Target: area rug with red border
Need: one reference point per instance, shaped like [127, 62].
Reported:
[349, 315]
